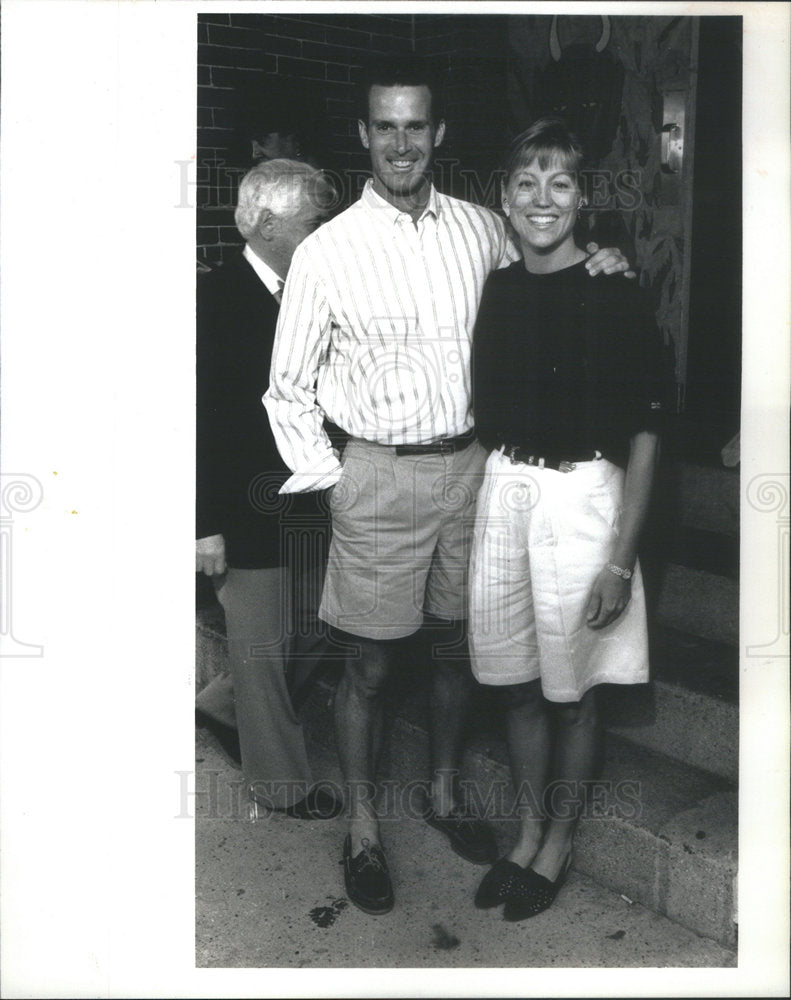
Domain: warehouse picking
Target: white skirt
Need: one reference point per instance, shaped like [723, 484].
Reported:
[541, 539]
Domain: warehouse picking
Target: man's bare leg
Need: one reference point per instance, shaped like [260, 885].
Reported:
[452, 693]
[358, 728]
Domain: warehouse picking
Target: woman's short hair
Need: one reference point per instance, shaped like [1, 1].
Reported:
[281, 188]
[546, 140]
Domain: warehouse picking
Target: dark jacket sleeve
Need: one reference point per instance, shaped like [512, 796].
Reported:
[211, 476]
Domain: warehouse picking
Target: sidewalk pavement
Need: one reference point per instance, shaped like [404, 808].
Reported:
[270, 894]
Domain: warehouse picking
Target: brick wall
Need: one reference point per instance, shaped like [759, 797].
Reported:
[472, 49]
[320, 53]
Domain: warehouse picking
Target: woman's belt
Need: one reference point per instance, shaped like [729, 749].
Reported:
[562, 462]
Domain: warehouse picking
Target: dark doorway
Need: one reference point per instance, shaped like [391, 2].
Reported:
[713, 384]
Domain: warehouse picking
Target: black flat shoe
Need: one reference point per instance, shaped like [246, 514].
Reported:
[317, 804]
[367, 879]
[532, 894]
[496, 883]
[469, 836]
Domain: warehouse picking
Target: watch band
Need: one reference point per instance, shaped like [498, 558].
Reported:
[626, 574]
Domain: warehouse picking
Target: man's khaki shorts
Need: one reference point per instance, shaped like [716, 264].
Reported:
[401, 534]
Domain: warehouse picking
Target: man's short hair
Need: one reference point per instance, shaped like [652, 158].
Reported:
[402, 71]
[281, 188]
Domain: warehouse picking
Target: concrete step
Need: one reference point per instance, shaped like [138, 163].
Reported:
[700, 603]
[689, 711]
[699, 549]
[211, 646]
[708, 498]
[663, 832]
[270, 895]
[690, 551]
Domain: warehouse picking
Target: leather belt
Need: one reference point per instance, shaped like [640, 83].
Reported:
[447, 446]
[550, 460]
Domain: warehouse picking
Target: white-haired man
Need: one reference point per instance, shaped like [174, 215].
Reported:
[248, 540]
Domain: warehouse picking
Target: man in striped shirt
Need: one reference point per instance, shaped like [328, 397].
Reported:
[375, 333]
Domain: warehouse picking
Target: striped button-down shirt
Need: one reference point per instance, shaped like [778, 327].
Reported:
[375, 329]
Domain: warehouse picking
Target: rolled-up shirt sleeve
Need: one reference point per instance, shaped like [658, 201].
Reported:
[302, 340]
[647, 378]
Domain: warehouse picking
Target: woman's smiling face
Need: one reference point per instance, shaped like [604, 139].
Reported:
[542, 203]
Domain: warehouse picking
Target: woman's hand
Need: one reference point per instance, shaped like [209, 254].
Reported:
[609, 596]
[610, 260]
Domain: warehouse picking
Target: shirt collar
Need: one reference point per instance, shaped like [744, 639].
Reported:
[385, 210]
[272, 281]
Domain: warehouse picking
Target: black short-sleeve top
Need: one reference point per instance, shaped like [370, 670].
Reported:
[566, 362]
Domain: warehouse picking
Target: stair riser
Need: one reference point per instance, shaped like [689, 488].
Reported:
[708, 499]
[687, 726]
[211, 655]
[700, 603]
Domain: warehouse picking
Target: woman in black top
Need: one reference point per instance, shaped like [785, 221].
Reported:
[568, 395]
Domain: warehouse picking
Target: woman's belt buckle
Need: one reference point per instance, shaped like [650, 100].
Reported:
[514, 453]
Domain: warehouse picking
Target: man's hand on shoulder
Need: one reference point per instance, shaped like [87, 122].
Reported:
[610, 261]
[210, 555]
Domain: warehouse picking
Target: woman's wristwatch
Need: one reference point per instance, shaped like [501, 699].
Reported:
[626, 574]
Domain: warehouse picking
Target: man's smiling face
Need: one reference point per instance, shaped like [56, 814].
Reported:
[401, 138]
